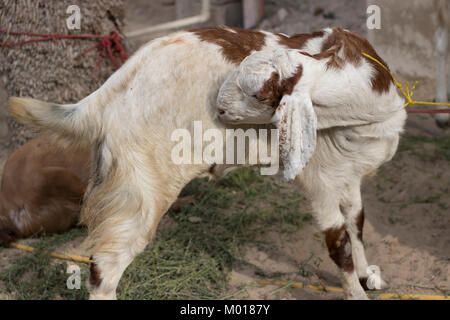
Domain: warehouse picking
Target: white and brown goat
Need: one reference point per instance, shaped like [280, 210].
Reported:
[175, 80]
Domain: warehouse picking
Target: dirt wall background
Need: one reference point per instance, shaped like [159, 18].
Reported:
[406, 38]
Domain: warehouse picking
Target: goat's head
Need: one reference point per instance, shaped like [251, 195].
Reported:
[252, 92]
[264, 89]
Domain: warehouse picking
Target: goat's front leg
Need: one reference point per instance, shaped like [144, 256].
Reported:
[351, 206]
[332, 223]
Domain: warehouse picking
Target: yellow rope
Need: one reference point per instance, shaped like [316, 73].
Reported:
[53, 254]
[383, 296]
[406, 93]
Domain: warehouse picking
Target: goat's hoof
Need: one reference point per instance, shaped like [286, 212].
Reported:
[360, 295]
[103, 296]
[363, 297]
[378, 284]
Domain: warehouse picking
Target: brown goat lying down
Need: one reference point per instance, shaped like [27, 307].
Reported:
[42, 190]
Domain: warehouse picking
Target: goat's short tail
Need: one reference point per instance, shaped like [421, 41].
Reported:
[72, 123]
[30, 112]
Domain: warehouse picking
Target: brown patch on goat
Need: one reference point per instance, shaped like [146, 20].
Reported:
[337, 239]
[342, 47]
[274, 89]
[360, 224]
[363, 282]
[288, 84]
[297, 41]
[95, 278]
[270, 92]
[236, 43]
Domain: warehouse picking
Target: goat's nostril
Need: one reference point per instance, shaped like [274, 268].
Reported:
[221, 112]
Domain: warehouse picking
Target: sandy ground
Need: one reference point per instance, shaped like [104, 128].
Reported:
[410, 243]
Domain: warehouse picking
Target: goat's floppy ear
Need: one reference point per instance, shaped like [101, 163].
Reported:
[286, 62]
[297, 126]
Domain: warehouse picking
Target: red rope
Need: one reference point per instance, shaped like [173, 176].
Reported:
[105, 42]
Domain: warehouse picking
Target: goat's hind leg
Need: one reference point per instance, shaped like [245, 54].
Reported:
[117, 234]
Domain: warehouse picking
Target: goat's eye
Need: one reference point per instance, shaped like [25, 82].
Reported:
[259, 98]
